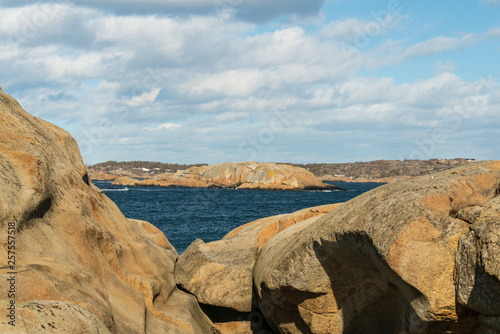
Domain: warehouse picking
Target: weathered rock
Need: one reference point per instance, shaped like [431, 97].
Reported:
[245, 175]
[126, 181]
[232, 327]
[101, 176]
[220, 273]
[165, 180]
[478, 263]
[74, 248]
[384, 262]
[112, 175]
[40, 317]
[266, 228]
[237, 327]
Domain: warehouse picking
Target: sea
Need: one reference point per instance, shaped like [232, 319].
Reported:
[185, 214]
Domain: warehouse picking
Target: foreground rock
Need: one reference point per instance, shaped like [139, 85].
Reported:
[417, 256]
[220, 273]
[478, 264]
[82, 267]
[245, 175]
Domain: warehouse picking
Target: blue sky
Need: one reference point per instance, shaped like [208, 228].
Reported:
[234, 80]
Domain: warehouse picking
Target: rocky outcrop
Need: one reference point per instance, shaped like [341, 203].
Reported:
[245, 175]
[101, 176]
[165, 180]
[80, 265]
[416, 256]
[220, 273]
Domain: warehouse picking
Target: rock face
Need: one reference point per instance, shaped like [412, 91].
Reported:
[478, 264]
[220, 273]
[245, 175]
[100, 176]
[81, 265]
[416, 256]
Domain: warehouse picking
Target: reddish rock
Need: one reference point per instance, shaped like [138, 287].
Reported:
[415, 256]
[220, 273]
[81, 265]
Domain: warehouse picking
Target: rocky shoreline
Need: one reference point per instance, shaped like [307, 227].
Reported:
[416, 256]
[380, 171]
[244, 175]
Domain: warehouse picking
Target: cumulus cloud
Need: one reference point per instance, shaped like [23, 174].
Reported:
[145, 98]
[211, 85]
[251, 10]
[355, 31]
[494, 32]
[166, 126]
[231, 117]
[441, 44]
[440, 67]
[395, 51]
[490, 2]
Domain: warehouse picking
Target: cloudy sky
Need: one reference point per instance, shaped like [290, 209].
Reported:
[278, 80]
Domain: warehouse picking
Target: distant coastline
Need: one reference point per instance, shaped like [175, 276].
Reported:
[379, 171]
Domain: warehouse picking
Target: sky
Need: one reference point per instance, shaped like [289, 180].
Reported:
[302, 81]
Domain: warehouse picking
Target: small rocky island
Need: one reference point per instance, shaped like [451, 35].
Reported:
[244, 175]
[420, 255]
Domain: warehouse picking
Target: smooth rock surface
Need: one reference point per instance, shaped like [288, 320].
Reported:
[478, 263]
[74, 246]
[220, 273]
[386, 261]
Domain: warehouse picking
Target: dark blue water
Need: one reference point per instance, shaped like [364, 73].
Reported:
[185, 214]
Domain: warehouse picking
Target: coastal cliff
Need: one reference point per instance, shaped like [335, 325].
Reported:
[244, 175]
[77, 264]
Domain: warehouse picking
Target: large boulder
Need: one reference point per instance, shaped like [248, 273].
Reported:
[220, 273]
[253, 175]
[80, 265]
[416, 256]
[478, 264]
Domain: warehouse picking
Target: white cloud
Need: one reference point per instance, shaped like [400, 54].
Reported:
[440, 67]
[494, 32]
[490, 2]
[394, 51]
[252, 10]
[219, 81]
[353, 30]
[167, 126]
[231, 117]
[145, 98]
[441, 44]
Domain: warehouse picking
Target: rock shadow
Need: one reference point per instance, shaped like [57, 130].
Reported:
[372, 298]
